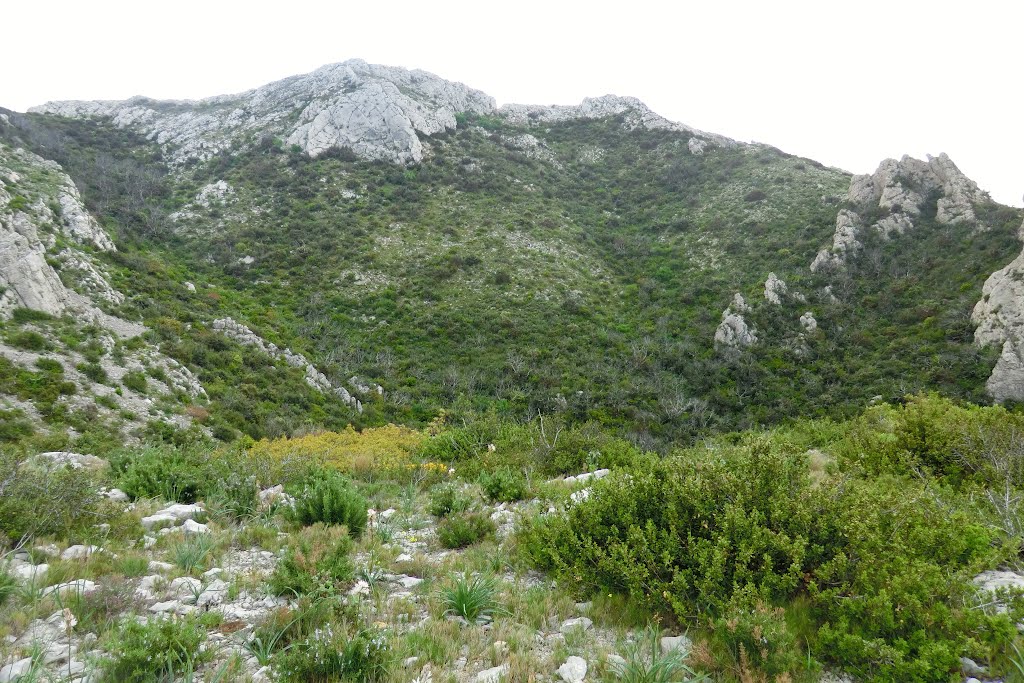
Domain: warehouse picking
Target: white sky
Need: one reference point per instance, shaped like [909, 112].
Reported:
[846, 83]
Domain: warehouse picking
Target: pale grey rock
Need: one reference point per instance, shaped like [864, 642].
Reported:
[676, 644]
[969, 667]
[574, 670]
[75, 461]
[167, 606]
[192, 527]
[81, 586]
[997, 580]
[495, 674]
[157, 566]
[79, 552]
[899, 189]
[583, 623]
[774, 289]
[696, 146]
[213, 594]
[15, 670]
[734, 332]
[30, 573]
[379, 112]
[1000, 319]
[739, 304]
[808, 322]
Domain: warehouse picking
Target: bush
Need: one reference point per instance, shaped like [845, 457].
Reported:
[38, 499]
[136, 381]
[29, 340]
[158, 650]
[504, 485]
[8, 584]
[330, 498]
[93, 371]
[463, 530]
[700, 537]
[448, 498]
[337, 652]
[316, 559]
[162, 472]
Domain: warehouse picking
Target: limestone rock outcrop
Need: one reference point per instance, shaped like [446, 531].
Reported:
[1000, 319]
[734, 332]
[378, 112]
[891, 200]
[636, 114]
[314, 378]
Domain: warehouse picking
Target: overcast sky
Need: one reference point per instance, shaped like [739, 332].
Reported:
[845, 83]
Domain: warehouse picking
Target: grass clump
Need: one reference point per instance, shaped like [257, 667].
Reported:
[464, 529]
[192, 554]
[644, 662]
[471, 597]
[337, 652]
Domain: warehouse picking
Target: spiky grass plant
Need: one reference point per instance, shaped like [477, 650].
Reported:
[646, 663]
[472, 597]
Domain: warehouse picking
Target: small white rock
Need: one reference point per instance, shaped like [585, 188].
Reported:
[493, 675]
[574, 670]
[576, 622]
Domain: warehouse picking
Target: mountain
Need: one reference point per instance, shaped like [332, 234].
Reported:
[365, 244]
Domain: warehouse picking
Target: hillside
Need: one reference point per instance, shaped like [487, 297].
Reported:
[572, 260]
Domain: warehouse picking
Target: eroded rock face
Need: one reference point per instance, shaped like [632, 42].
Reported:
[378, 112]
[893, 197]
[1000, 319]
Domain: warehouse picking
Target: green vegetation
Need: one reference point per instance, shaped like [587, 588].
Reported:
[461, 530]
[470, 597]
[317, 558]
[328, 497]
[158, 650]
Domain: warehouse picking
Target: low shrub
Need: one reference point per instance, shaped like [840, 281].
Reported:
[337, 652]
[37, 499]
[504, 485]
[162, 472]
[464, 529]
[316, 560]
[329, 497]
[136, 381]
[448, 498]
[158, 650]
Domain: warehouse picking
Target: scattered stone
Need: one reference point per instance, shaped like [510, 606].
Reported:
[172, 514]
[493, 675]
[164, 607]
[576, 622]
[79, 552]
[574, 670]
[410, 662]
[157, 566]
[15, 671]
[76, 461]
[971, 668]
[82, 586]
[616, 662]
[675, 643]
[116, 495]
[30, 573]
[404, 557]
[193, 527]
[214, 594]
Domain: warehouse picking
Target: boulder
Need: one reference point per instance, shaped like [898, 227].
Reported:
[574, 670]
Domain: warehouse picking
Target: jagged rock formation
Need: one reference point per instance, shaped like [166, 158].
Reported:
[1000, 319]
[808, 322]
[892, 198]
[734, 332]
[376, 111]
[774, 289]
[314, 378]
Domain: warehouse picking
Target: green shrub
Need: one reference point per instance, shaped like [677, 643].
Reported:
[464, 529]
[316, 559]
[162, 472]
[8, 584]
[42, 500]
[331, 498]
[756, 636]
[337, 652]
[448, 498]
[93, 371]
[158, 650]
[504, 485]
[192, 554]
[30, 340]
[699, 537]
[136, 381]
[29, 315]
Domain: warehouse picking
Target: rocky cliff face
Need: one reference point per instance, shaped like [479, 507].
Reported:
[40, 212]
[891, 200]
[1000, 319]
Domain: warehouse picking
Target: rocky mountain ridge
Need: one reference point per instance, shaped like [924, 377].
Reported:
[378, 112]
